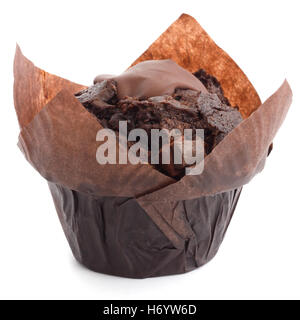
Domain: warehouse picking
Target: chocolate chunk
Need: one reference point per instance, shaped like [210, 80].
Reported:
[187, 97]
[100, 95]
[153, 78]
[148, 114]
[217, 115]
[211, 84]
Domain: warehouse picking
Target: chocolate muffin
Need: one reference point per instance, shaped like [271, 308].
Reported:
[197, 102]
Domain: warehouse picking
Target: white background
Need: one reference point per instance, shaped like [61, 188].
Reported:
[260, 256]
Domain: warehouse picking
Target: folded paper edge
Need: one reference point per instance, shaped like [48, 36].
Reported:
[187, 27]
[36, 158]
[38, 86]
[280, 100]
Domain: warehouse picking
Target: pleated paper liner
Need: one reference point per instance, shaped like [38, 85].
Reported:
[97, 202]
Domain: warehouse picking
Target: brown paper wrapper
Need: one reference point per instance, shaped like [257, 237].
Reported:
[131, 220]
